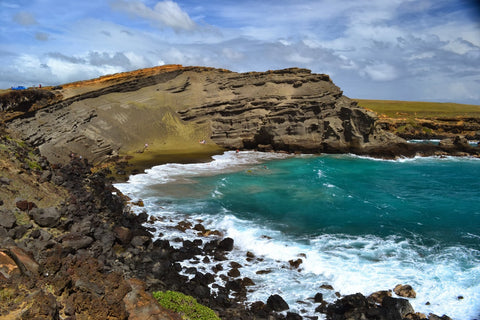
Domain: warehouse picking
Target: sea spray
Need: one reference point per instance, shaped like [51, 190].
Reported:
[357, 224]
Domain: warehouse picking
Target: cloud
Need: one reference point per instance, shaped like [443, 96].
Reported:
[381, 72]
[164, 13]
[24, 18]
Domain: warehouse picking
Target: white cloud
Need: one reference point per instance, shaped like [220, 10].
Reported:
[164, 13]
[381, 72]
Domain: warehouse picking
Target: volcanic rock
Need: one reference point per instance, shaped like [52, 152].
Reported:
[276, 303]
[45, 217]
[404, 291]
[290, 110]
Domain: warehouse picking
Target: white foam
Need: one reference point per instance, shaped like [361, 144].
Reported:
[229, 161]
[350, 264]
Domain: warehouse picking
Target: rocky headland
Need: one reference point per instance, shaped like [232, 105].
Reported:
[172, 108]
[71, 247]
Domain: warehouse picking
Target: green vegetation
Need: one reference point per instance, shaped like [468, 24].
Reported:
[415, 109]
[185, 305]
[6, 294]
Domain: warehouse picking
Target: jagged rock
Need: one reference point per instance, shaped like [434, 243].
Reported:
[295, 263]
[377, 297]
[293, 316]
[276, 303]
[318, 297]
[404, 291]
[432, 316]
[397, 308]
[45, 217]
[226, 244]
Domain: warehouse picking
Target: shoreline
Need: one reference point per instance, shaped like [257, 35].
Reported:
[192, 226]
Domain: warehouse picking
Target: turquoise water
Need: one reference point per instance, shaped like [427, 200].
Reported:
[437, 202]
[359, 224]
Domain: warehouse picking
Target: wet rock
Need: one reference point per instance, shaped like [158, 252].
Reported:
[47, 217]
[326, 287]
[247, 282]
[432, 316]
[377, 297]
[293, 316]
[234, 273]
[226, 244]
[7, 219]
[295, 264]
[349, 307]
[276, 303]
[404, 291]
[318, 297]
[396, 308]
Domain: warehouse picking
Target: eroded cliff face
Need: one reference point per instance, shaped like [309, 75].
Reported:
[290, 110]
[174, 107]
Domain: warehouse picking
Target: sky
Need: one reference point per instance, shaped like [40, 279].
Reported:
[423, 50]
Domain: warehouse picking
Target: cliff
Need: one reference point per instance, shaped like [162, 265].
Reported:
[172, 108]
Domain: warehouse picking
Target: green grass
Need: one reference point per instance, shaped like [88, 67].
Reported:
[185, 305]
[408, 109]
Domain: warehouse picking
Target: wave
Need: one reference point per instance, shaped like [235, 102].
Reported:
[362, 263]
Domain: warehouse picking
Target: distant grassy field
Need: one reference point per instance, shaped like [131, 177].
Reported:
[414, 109]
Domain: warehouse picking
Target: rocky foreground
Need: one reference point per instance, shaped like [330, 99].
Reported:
[82, 254]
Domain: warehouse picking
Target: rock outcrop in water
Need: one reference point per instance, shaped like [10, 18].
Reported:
[172, 107]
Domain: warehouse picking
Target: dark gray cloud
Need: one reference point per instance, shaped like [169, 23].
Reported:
[102, 58]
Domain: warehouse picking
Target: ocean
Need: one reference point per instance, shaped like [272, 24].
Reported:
[358, 224]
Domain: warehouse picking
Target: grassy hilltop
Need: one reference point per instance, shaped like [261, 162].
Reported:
[414, 119]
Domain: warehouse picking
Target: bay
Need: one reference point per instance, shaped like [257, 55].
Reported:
[358, 224]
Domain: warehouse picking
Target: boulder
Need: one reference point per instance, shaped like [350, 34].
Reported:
[76, 241]
[47, 217]
[377, 297]
[8, 219]
[226, 244]
[404, 291]
[276, 303]
[123, 234]
[24, 260]
[396, 308]
[318, 297]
